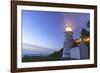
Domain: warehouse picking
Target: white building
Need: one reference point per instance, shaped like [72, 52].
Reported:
[79, 52]
[68, 42]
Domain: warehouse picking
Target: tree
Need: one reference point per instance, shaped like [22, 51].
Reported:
[88, 24]
[84, 33]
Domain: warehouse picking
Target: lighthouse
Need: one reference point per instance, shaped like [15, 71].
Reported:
[68, 42]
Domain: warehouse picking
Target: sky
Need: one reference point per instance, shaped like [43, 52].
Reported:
[46, 29]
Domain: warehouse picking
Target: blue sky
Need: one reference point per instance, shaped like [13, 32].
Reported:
[46, 29]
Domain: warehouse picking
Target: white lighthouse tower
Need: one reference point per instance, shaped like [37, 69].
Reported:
[68, 42]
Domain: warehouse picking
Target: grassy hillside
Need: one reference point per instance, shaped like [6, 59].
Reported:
[52, 57]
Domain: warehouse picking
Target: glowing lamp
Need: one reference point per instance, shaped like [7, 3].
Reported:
[68, 29]
[78, 40]
[87, 39]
